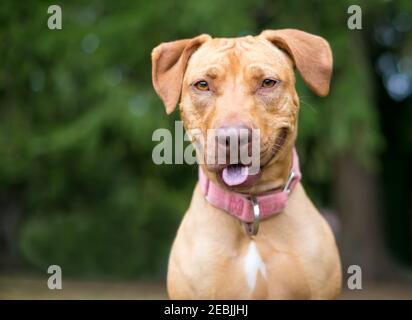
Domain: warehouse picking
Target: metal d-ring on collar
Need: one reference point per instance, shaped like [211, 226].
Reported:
[286, 188]
[252, 228]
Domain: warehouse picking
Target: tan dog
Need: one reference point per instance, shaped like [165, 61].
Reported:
[249, 82]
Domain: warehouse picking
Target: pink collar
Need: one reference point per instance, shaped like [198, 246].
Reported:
[246, 207]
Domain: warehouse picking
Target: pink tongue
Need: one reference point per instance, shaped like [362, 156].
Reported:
[235, 175]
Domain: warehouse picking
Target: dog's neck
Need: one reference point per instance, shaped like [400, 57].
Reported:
[270, 200]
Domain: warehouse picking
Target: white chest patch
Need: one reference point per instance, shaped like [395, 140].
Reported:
[253, 264]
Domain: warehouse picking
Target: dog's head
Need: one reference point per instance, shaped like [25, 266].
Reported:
[239, 85]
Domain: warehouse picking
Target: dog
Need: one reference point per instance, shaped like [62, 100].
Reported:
[248, 236]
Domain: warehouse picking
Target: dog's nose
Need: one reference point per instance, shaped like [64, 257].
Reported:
[237, 134]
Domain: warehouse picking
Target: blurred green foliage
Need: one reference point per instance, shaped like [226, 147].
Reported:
[78, 112]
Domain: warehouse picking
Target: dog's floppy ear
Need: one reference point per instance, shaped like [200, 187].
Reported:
[169, 62]
[311, 54]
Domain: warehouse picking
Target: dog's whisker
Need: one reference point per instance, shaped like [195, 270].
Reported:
[309, 105]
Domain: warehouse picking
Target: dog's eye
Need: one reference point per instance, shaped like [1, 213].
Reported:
[268, 83]
[202, 85]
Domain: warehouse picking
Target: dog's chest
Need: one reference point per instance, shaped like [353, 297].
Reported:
[246, 270]
[239, 272]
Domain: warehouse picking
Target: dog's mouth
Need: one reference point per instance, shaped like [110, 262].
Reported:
[240, 175]
[278, 145]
